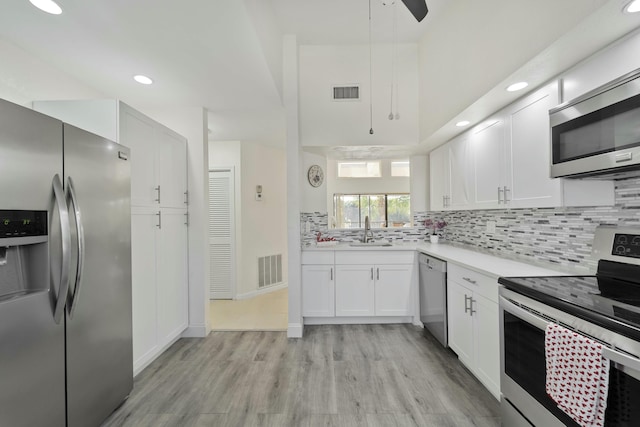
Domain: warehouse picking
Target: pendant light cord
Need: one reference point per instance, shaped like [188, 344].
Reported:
[370, 77]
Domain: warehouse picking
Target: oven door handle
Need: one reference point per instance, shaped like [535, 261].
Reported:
[530, 318]
[627, 364]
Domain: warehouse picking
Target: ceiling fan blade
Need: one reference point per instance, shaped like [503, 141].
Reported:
[418, 8]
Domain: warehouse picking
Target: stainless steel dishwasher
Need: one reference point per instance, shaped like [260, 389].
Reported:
[433, 296]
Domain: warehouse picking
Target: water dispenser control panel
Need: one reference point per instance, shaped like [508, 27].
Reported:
[22, 223]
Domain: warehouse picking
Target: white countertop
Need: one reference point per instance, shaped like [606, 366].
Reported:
[491, 265]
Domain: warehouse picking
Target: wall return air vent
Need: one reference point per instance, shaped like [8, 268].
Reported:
[346, 93]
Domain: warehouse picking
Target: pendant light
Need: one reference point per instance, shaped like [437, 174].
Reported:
[394, 56]
[370, 77]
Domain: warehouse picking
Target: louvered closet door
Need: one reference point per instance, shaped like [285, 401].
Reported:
[222, 234]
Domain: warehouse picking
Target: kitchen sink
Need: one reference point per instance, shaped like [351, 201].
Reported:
[371, 243]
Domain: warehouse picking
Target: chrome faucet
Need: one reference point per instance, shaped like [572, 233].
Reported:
[368, 234]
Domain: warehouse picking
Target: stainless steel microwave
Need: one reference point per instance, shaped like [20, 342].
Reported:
[599, 132]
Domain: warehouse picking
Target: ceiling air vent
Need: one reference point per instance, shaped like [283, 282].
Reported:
[346, 93]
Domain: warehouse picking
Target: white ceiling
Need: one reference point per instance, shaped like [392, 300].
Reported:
[226, 55]
[347, 21]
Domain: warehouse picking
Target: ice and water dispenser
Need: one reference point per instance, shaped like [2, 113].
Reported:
[23, 253]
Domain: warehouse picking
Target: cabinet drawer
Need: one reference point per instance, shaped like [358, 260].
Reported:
[317, 257]
[374, 257]
[484, 285]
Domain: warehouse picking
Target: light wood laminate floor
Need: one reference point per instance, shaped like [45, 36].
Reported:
[268, 312]
[339, 375]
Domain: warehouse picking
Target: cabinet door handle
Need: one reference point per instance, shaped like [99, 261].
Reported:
[499, 198]
[186, 219]
[505, 194]
[158, 190]
[377, 274]
[444, 201]
[159, 224]
[371, 273]
[473, 282]
[471, 310]
[331, 274]
[186, 197]
[466, 307]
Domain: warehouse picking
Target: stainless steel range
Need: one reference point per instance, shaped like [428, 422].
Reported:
[604, 307]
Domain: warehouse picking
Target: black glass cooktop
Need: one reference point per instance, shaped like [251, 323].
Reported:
[611, 302]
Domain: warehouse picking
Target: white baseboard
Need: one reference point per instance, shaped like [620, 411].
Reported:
[195, 331]
[355, 320]
[140, 364]
[295, 330]
[261, 291]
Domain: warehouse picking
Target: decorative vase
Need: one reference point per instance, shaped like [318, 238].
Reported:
[434, 238]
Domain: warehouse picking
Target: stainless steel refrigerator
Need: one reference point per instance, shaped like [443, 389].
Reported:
[65, 273]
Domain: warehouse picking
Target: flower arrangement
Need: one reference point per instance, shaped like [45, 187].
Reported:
[435, 225]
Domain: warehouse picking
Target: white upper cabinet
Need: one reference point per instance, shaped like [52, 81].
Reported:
[487, 151]
[527, 162]
[138, 133]
[172, 162]
[459, 177]
[439, 177]
[450, 181]
[504, 162]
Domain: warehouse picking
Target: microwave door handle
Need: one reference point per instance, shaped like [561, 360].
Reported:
[532, 319]
[627, 364]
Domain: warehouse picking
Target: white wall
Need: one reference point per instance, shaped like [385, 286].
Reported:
[493, 50]
[324, 122]
[294, 174]
[25, 78]
[314, 199]
[260, 225]
[419, 183]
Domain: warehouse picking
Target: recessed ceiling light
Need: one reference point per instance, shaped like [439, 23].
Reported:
[517, 86]
[48, 6]
[633, 7]
[143, 79]
[462, 123]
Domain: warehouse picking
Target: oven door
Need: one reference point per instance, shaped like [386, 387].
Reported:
[523, 375]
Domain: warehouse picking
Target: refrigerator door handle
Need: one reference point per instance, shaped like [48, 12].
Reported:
[58, 193]
[73, 299]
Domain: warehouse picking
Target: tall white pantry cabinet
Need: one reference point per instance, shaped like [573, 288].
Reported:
[159, 217]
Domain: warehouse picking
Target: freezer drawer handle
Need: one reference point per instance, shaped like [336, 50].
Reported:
[58, 193]
[73, 298]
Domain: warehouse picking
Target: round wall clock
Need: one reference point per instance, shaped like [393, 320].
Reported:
[315, 176]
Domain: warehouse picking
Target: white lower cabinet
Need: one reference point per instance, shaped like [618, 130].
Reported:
[318, 291]
[474, 325]
[350, 285]
[393, 290]
[159, 281]
[460, 324]
[355, 295]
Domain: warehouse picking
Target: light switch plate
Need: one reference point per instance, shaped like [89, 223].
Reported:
[491, 227]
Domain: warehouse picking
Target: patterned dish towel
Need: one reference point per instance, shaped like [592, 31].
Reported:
[577, 375]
